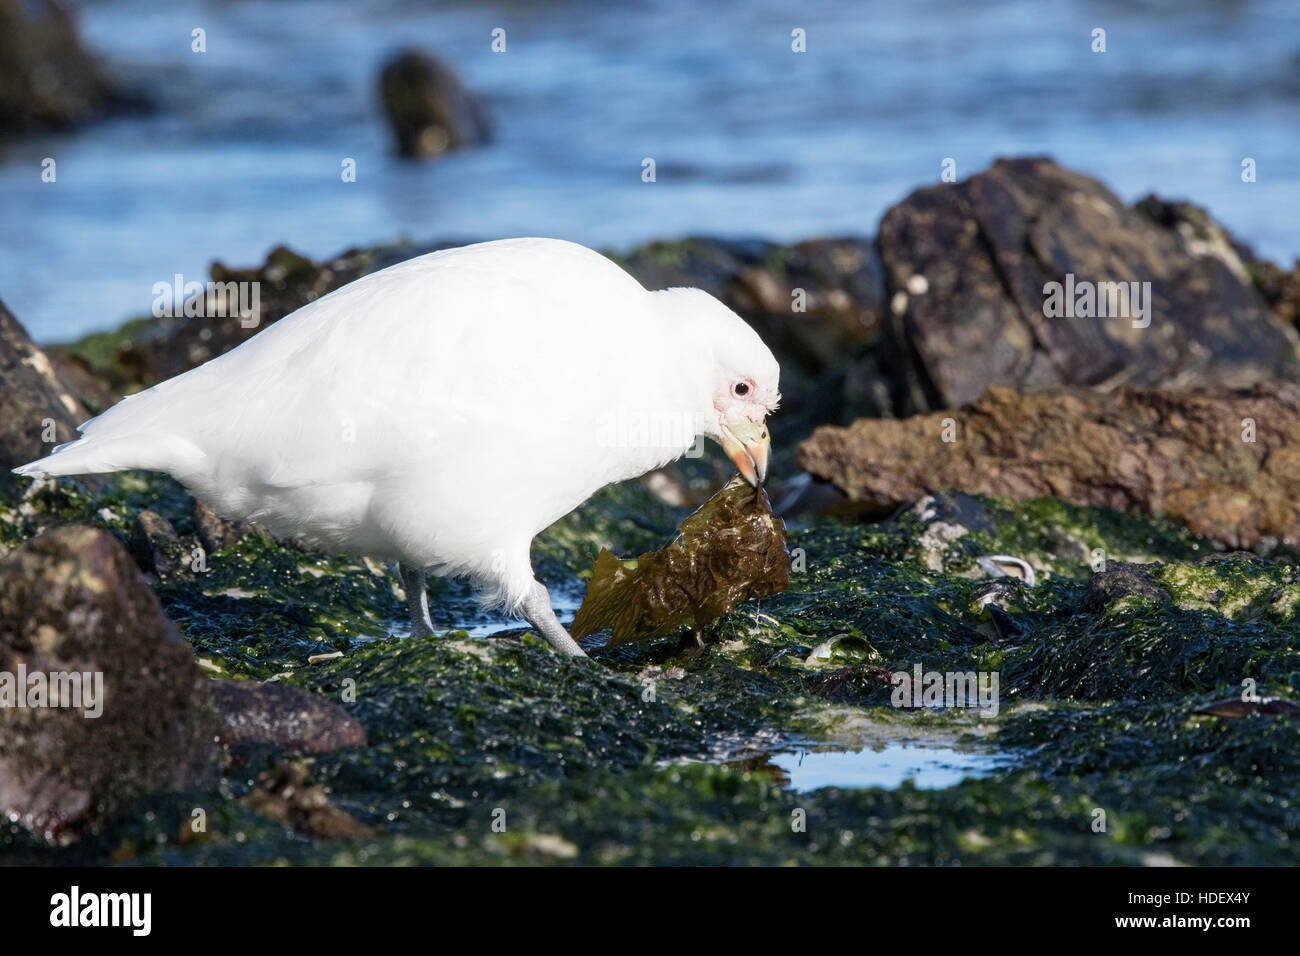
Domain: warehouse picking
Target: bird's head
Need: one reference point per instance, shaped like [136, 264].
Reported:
[744, 388]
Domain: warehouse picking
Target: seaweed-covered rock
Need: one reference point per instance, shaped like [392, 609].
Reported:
[136, 718]
[1122, 580]
[1281, 289]
[489, 750]
[47, 79]
[1227, 464]
[967, 267]
[37, 410]
[429, 109]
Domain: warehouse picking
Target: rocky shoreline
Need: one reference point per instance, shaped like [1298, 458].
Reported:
[1098, 510]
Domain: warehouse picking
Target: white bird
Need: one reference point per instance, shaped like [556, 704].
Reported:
[443, 411]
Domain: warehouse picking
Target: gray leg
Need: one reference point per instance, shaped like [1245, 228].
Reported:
[537, 609]
[417, 601]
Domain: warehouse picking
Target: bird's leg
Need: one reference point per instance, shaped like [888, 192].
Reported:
[537, 609]
[417, 601]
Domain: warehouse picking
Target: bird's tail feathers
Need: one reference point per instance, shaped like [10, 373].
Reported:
[93, 455]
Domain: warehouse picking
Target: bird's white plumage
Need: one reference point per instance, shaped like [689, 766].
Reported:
[440, 412]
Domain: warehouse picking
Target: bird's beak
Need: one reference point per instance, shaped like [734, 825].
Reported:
[747, 444]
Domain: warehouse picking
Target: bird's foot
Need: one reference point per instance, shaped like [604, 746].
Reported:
[417, 602]
[537, 609]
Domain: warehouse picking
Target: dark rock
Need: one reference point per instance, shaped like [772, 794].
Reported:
[1201, 235]
[82, 381]
[829, 371]
[282, 717]
[47, 79]
[1121, 580]
[37, 410]
[966, 265]
[1138, 450]
[428, 108]
[216, 532]
[72, 600]
[1281, 289]
[803, 494]
[955, 508]
[175, 344]
[155, 545]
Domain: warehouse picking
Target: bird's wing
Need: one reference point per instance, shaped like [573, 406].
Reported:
[409, 367]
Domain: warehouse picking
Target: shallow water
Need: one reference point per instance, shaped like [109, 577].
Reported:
[887, 765]
[453, 606]
[244, 151]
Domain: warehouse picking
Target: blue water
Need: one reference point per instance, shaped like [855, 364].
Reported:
[749, 138]
[888, 765]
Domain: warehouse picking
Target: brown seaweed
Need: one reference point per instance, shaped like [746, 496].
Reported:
[730, 550]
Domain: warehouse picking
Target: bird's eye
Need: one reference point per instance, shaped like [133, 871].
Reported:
[740, 389]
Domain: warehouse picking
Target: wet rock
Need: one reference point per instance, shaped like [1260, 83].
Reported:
[216, 532]
[1226, 464]
[966, 267]
[155, 545]
[429, 109]
[283, 717]
[37, 410]
[1121, 580]
[72, 601]
[47, 79]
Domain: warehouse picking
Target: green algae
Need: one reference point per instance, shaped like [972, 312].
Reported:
[101, 350]
[1057, 537]
[632, 758]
